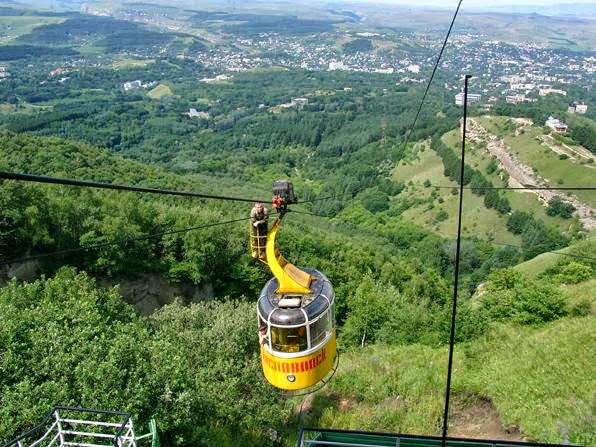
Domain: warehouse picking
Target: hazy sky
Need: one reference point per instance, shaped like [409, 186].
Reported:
[474, 3]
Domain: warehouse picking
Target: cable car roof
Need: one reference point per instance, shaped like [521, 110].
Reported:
[311, 305]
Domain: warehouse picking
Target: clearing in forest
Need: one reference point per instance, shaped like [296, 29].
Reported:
[132, 63]
[159, 92]
[12, 27]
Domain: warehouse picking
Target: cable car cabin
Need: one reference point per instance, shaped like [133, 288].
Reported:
[297, 332]
[296, 312]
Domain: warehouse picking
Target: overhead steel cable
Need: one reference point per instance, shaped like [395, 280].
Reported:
[306, 212]
[432, 76]
[93, 184]
[516, 188]
[118, 242]
[571, 255]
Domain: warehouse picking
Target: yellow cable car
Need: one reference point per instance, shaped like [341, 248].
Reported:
[296, 312]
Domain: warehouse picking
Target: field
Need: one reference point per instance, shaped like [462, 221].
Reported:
[132, 63]
[23, 108]
[159, 92]
[12, 27]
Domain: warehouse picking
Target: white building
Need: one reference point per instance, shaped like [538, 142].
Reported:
[472, 98]
[299, 102]
[389, 70]
[545, 91]
[221, 77]
[581, 108]
[413, 68]
[132, 85]
[515, 99]
[556, 125]
[523, 86]
[334, 65]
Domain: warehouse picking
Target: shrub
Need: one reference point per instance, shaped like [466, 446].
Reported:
[514, 297]
[574, 273]
[375, 200]
[557, 207]
[581, 309]
[517, 221]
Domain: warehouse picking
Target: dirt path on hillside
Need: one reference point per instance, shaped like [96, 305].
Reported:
[470, 415]
[521, 175]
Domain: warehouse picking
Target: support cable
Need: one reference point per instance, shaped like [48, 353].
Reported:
[92, 184]
[456, 273]
[307, 212]
[571, 255]
[119, 242]
[517, 188]
[318, 199]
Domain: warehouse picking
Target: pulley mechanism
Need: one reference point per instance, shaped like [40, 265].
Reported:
[283, 195]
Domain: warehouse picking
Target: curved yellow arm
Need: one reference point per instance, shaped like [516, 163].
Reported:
[290, 278]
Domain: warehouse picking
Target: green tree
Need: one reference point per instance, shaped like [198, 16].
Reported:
[368, 310]
[557, 207]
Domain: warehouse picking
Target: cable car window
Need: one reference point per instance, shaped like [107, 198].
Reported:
[263, 335]
[288, 339]
[319, 329]
[333, 320]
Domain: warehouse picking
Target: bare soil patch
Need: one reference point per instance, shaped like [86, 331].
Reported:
[476, 417]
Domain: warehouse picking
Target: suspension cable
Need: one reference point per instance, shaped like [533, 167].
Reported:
[92, 184]
[306, 212]
[571, 255]
[516, 188]
[119, 242]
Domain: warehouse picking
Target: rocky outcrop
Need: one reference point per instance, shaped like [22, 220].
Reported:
[146, 294]
[151, 291]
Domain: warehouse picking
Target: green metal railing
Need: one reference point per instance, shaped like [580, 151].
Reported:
[324, 437]
[74, 426]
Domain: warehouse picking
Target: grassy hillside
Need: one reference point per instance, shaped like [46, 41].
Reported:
[522, 382]
[479, 158]
[539, 380]
[438, 207]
